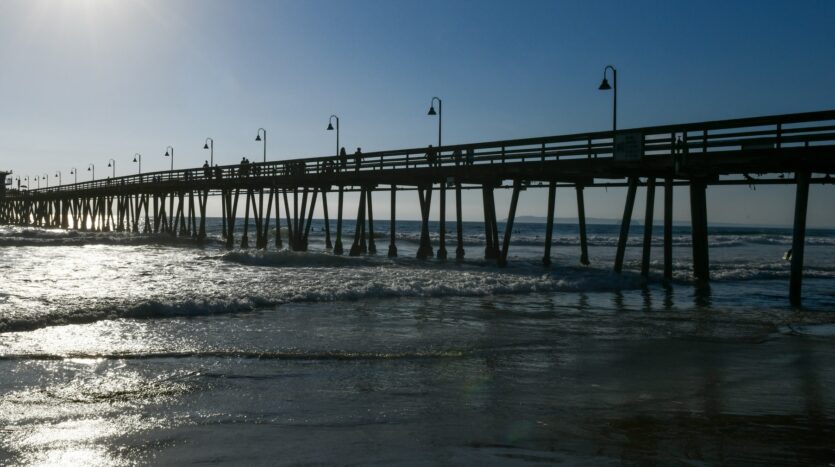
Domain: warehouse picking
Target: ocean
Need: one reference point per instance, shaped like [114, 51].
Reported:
[123, 349]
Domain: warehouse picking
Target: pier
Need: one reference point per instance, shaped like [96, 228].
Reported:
[749, 151]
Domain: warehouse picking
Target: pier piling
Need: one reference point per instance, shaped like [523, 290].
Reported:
[798, 237]
[649, 211]
[549, 222]
[624, 226]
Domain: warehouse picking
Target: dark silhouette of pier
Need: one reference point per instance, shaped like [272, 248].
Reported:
[747, 151]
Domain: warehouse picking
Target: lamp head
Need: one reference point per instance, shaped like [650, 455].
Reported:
[134, 158]
[604, 86]
[108, 164]
[166, 154]
[258, 137]
[88, 169]
[330, 127]
[206, 146]
[431, 110]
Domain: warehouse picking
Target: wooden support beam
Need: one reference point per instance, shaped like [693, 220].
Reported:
[494, 252]
[290, 231]
[698, 216]
[265, 227]
[328, 244]
[442, 221]
[668, 230]
[372, 245]
[231, 213]
[581, 225]
[648, 214]
[247, 201]
[294, 243]
[300, 221]
[223, 211]
[392, 226]
[508, 228]
[425, 198]
[624, 226]
[202, 200]
[356, 249]
[157, 218]
[260, 240]
[278, 244]
[257, 218]
[488, 224]
[309, 219]
[170, 221]
[337, 247]
[459, 222]
[192, 217]
[549, 222]
[801, 201]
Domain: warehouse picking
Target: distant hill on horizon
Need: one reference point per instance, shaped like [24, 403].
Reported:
[600, 220]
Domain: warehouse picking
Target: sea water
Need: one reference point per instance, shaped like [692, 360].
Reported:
[123, 349]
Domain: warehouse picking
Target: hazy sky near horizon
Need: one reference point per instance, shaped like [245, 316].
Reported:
[83, 81]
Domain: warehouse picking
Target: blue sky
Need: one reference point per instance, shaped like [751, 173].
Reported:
[83, 81]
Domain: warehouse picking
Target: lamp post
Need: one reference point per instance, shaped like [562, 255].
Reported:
[330, 128]
[604, 86]
[27, 182]
[92, 168]
[138, 158]
[170, 154]
[39, 181]
[210, 145]
[46, 177]
[74, 171]
[58, 174]
[439, 114]
[258, 138]
[112, 163]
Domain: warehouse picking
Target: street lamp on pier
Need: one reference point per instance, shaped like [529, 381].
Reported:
[112, 163]
[92, 168]
[74, 171]
[138, 158]
[58, 174]
[210, 145]
[258, 138]
[46, 177]
[604, 86]
[170, 154]
[439, 114]
[330, 128]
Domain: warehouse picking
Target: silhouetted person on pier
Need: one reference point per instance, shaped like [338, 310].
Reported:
[431, 155]
[244, 170]
[343, 157]
[218, 172]
[207, 170]
[358, 159]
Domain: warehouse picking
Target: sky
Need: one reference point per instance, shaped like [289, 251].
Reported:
[84, 81]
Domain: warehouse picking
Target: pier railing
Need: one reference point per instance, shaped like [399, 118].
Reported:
[631, 145]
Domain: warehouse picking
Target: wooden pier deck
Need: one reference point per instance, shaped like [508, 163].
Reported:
[748, 151]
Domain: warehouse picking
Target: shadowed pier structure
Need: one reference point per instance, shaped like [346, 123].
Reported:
[695, 155]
